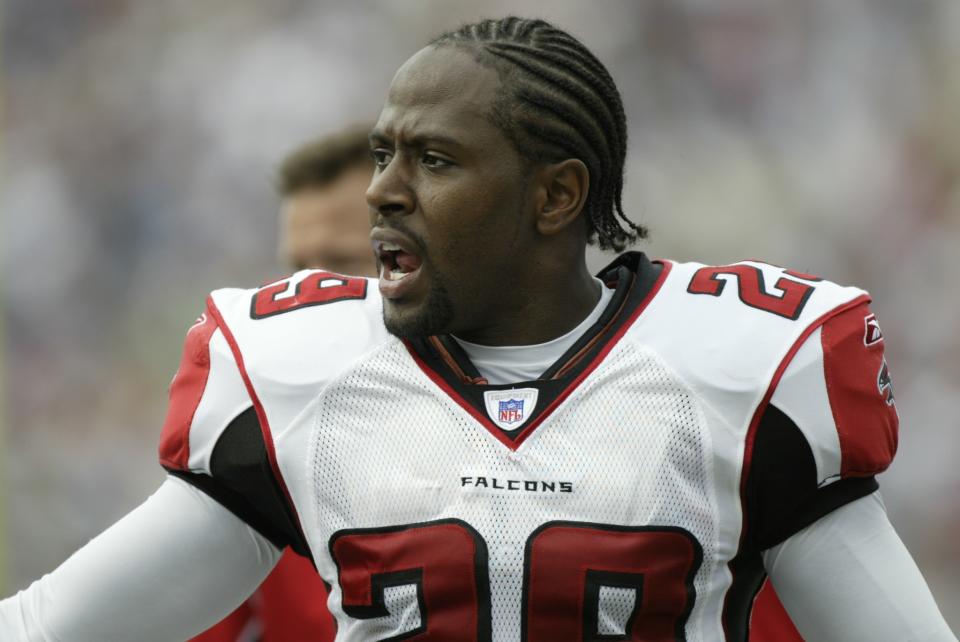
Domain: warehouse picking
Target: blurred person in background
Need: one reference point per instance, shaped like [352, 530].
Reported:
[324, 219]
[324, 223]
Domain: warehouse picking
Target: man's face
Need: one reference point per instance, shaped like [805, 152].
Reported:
[328, 226]
[448, 201]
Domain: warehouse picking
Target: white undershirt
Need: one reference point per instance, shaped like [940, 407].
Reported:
[512, 364]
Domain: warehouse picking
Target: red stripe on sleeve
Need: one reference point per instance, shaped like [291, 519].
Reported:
[186, 390]
[860, 392]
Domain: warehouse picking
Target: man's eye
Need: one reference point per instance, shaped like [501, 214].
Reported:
[381, 157]
[432, 160]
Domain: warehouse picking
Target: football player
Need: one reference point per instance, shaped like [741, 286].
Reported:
[323, 222]
[489, 443]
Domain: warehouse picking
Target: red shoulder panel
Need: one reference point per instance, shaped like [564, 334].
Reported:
[860, 391]
[186, 389]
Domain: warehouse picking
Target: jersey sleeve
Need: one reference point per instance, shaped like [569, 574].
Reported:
[849, 577]
[212, 437]
[831, 425]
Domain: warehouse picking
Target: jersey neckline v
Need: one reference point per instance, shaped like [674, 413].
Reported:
[636, 281]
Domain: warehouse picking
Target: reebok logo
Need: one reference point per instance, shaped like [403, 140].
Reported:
[872, 333]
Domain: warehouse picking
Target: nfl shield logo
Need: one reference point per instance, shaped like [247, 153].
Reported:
[511, 411]
[511, 408]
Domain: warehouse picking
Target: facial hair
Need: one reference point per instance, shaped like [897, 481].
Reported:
[433, 317]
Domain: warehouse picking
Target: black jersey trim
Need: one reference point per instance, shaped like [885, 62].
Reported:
[781, 499]
[637, 281]
[242, 481]
[748, 575]
[783, 494]
[266, 436]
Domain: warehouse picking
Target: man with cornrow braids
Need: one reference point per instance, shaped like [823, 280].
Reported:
[562, 103]
[489, 443]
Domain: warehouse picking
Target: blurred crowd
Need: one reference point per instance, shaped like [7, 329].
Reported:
[141, 139]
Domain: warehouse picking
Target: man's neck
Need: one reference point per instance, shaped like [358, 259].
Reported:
[551, 309]
[511, 364]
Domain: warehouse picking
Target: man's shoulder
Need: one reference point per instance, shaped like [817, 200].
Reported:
[271, 349]
[733, 326]
[751, 295]
[300, 328]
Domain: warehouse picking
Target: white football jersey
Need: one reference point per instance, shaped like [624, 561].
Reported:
[625, 495]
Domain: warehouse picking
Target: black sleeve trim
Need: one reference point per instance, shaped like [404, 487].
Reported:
[243, 483]
[782, 493]
[825, 501]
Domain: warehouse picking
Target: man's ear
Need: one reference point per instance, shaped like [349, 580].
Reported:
[562, 193]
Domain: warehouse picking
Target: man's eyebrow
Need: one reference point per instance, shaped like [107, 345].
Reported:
[417, 140]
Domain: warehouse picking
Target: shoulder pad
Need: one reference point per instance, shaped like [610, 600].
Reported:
[292, 337]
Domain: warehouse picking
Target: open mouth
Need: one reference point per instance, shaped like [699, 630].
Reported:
[396, 262]
[400, 264]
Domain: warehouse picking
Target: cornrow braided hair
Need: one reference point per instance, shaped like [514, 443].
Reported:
[561, 102]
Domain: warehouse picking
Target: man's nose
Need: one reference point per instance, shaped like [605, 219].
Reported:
[389, 192]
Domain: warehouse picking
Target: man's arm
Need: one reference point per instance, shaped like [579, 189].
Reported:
[849, 577]
[834, 559]
[172, 567]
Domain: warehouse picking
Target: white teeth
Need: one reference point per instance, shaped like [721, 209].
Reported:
[390, 247]
[393, 275]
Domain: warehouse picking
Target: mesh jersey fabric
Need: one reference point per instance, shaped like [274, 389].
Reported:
[647, 446]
